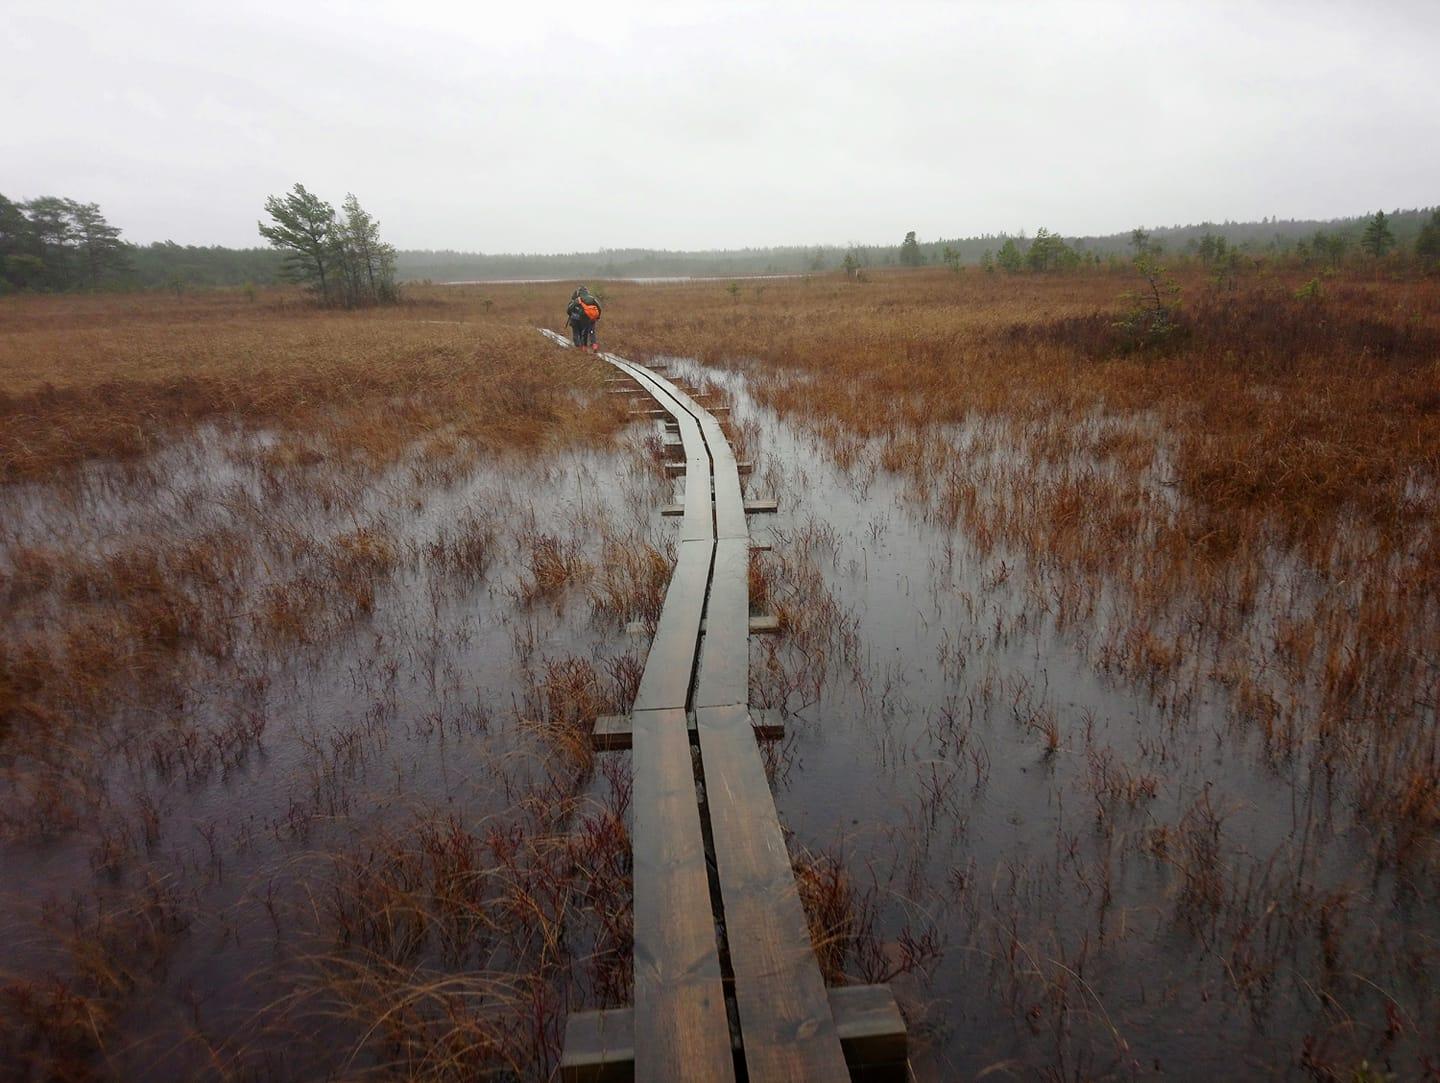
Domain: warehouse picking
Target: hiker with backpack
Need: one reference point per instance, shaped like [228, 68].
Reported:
[582, 314]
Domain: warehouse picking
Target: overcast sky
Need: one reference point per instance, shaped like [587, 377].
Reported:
[529, 126]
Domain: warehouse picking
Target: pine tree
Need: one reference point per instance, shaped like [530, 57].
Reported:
[369, 262]
[101, 251]
[1009, 257]
[1049, 252]
[305, 230]
[1377, 239]
[20, 267]
[1427, 245]
[52, 234]
[343, 260]
[910, 251]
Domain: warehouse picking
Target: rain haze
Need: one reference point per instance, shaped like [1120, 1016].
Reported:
[539, 127]
[714, 542]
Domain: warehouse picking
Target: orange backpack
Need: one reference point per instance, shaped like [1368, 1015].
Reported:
[592, 311]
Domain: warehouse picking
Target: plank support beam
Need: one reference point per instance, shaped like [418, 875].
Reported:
[764, 624]
[677, 469]
[600, 1045]
[612, 732]
[752, 507]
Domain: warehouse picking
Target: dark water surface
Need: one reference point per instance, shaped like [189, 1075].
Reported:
[1068, 874]
[1079, 935]
[420, 707]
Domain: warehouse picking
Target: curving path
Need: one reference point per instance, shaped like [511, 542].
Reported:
[726, 982]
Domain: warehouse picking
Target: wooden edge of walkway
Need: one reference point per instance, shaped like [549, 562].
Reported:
[665, 682]
[788, 1025]
[681, 1029]
[785, 1017]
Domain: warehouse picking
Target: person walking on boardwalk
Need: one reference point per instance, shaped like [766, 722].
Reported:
[582, 314]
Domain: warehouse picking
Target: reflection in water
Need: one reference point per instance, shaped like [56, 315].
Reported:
[351, 780]
[1120, 875]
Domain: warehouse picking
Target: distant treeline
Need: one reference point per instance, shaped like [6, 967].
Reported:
[451, 266]
[167, 264]
[1268, 237]
[55, 244]
[52, 243]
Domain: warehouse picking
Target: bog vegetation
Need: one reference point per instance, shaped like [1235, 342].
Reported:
[307, 614]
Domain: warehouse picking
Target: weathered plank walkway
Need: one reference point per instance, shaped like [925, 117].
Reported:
[726, 981]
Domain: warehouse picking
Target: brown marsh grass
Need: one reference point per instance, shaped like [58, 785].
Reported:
[212, 519]
[87, 378]
[1259, 497]
[211, 505]
[1239, 526]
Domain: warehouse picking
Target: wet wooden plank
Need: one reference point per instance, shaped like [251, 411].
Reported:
[681, 1029]
[729, 499]
[666, 680]
[698, 522]
[724, 676]
[785, 1017]
[698, 515]
[729, 505]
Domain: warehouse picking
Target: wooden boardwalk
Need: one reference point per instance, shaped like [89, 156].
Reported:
[726, 981]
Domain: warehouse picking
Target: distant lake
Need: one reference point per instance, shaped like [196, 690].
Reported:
[644, 281]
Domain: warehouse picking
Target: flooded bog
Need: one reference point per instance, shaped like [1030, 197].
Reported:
[1071, 844]
[298, 780]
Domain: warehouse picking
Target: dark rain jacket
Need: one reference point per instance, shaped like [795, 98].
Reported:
[574, 314]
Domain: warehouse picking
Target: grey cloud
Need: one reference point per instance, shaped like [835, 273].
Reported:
[548, 127]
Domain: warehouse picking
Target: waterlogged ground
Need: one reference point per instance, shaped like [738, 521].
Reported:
[244, 856]
[1086, 871]
[352, 826]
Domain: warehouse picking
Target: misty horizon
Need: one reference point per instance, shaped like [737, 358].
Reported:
[696, 129]
[1021, 233]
